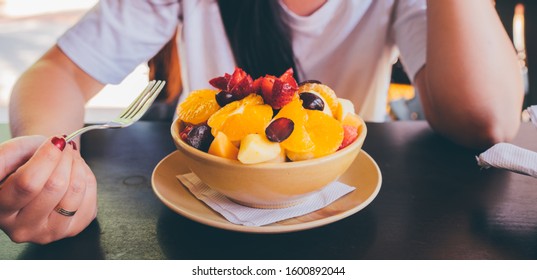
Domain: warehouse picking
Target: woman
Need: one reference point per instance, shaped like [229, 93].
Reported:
[456, 53]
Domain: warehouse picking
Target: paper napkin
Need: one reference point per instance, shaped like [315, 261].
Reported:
[532, 110]
[242, 215]
[510, 157]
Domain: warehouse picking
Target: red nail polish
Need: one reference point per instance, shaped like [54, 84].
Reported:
[59, 142]
[74, 145]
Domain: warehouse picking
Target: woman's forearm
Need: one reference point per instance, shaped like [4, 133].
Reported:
[49, 98]
[472, 79]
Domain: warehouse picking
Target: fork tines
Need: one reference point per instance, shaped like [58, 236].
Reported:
[143, 101]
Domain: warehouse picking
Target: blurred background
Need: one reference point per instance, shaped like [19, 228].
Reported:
[29, 27]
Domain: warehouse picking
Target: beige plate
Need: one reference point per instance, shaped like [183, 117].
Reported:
[364, 174]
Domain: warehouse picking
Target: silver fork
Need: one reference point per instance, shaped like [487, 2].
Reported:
[131, 114]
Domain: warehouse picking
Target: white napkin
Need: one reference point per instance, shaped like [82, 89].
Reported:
[239, 214]
[532, 110]
[510, 157]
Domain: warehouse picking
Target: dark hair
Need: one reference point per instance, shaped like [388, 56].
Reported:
[259, 36]
[165, 66]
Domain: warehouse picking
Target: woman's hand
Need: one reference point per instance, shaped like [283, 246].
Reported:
[47, 191]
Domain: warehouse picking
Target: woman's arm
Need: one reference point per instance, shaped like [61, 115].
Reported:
[48, 99]
[471, 87]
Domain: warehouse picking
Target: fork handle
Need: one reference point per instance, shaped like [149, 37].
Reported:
[71, 136]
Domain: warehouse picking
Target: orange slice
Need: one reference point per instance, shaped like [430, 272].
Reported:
[293, 111]
[240, 118]
[325, 91]
[325, 132]
[198, 106]
[299, 140]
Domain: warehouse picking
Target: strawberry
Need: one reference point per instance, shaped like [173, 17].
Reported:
[266, 86]
[243, 87]
[350, 133]
[287, 77]
[277, 92]
[239, 84]
[237, 76]
[282, 93]
[220, 82]
[256, 86]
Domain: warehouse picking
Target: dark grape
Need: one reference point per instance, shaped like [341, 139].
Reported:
[279, 129]
[311, 101]
[223, 98]
[200, 137]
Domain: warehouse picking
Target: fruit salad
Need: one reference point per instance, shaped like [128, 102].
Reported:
[269, 119]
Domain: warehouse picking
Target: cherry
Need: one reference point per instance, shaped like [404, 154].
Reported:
[311, 101]
[279, 129]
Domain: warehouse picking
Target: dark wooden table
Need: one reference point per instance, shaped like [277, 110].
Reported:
[435, 203]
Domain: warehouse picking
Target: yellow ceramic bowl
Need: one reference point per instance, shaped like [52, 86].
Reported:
[267, 185]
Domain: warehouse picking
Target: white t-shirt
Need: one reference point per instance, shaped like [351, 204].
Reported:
[350, 45]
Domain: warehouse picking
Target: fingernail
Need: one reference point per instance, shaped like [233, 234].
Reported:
[59, 142]
[73, 144]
